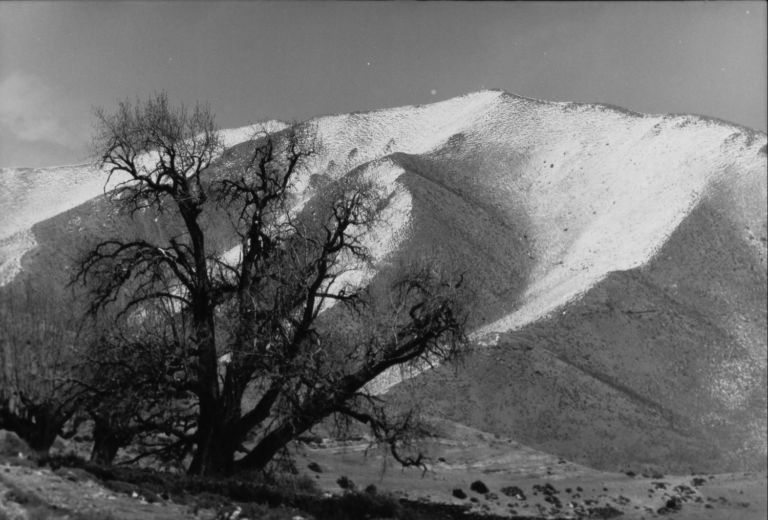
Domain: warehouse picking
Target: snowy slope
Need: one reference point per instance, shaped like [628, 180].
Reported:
[31, 195]
[601, 189]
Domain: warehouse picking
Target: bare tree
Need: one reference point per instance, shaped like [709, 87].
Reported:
[131, 376]
[37, 345]
[277, 339]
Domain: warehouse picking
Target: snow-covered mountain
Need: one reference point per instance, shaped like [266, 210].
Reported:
[619, 260]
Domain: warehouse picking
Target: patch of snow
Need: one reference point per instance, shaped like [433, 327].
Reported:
[11, 250]
[32, 195]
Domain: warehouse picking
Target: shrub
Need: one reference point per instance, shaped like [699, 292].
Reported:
[459, 493]
[11, 445]
[346, 483]
[479, 487]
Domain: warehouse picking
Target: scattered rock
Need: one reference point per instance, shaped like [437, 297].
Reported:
[314, 466]
[698, 481]
[685, 492]
[479, 487]
[630, 473]
[546, 489]
[459, 493]
[491, 496]
[514, 492]
[346, 483]
[672, 505]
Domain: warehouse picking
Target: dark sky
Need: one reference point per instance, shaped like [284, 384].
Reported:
[285, 60]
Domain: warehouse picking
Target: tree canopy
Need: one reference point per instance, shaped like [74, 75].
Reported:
[262, 341]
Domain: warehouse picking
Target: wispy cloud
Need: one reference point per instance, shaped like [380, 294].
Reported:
[34, 112]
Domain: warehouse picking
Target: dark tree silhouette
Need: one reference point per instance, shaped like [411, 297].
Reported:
[38, 358]
[275, 338]
[131, 374]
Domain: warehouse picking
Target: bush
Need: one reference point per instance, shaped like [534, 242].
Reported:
[514, 492]
[11, 445]
[346, 483]
[479, 487]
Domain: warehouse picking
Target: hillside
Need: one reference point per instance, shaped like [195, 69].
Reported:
[619, 261]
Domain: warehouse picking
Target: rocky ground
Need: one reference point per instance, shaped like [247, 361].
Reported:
[484, 474]
[499, 476]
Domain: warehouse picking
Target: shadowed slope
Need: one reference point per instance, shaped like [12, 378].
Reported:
[661, 365]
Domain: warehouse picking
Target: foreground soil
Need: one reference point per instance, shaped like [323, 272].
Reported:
[472, 475]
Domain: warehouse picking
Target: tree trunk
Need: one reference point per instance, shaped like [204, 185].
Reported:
[41, 437]
[210, 453]
[266, 450]
[106, 443]
[215, 451]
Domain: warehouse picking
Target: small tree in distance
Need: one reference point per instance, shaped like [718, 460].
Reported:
[131, 373]
[38, 360]
[275, 340]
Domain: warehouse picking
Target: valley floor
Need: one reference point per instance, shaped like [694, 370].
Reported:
[518, 483]
[523, 482]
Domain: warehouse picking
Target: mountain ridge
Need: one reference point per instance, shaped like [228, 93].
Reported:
[554, 208]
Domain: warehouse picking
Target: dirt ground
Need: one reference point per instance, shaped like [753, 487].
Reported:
[548, 487]
[28, 492]
[519, 482]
